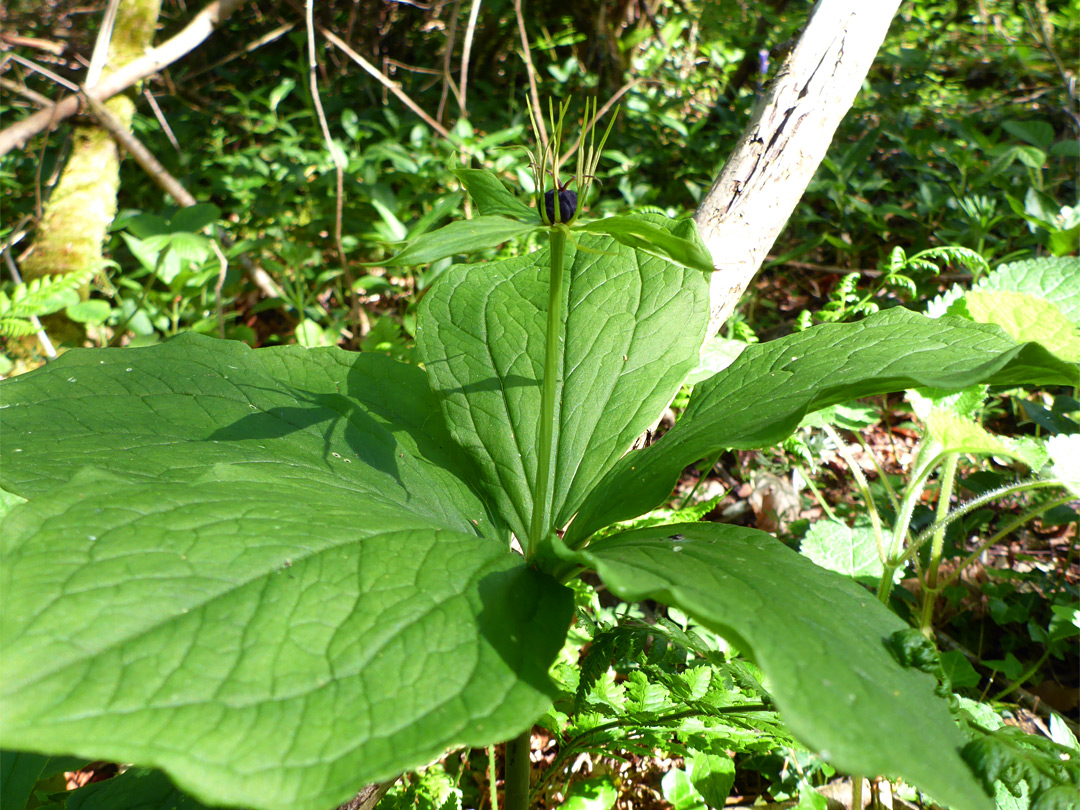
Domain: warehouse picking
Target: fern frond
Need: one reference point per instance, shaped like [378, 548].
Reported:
[15, 327]
[43, 295]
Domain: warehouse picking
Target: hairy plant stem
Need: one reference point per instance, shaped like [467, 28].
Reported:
[541, 514]
[517, 772]
[937, 547]
[927, 459]
[492, 778]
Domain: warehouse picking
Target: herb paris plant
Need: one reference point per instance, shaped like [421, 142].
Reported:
[280, 574]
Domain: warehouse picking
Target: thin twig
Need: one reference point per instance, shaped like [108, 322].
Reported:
[448, 55]
[100, 57]
[134, 147]
[200, 27]
[160, 175]
[530, 70]
[335, 153]
[26, 92]
[44, 71]
[466, 52]
[55, 48]
[160, 116]
[254, 45]
[375, 73]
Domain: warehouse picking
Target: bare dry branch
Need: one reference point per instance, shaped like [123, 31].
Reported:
[200, 27]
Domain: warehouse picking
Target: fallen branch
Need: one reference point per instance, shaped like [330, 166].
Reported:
[200, 27]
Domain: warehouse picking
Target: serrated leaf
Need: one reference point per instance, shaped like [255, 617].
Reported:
[850, 552]
[820, 640]
[959, 435]
[492, 198]
[1026, 318]
[633, 332]
[283, 566]
[1064, 452]
[761, 397]
[460, 237]
[16, 327]
[1054, 279]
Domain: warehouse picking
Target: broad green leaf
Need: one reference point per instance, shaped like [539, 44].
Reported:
[269, 643]
[461, 236]
[959, 435]
[1065, 454]
[1051, 278]
[92, 311]
[1054, 279]
[355, 422]
[680, 792]
[641, 234]
[8, 501]
[713, 776]
[760, 398]
[492, 197]
[1026, 318]
[194, 218]
[821, 641]
[134, 789]
[850, 552]
[19, 772]
[598, 793]
[633, 331]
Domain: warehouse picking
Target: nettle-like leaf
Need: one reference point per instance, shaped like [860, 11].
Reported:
[822, 642]
[634, 327]
[760, 398]
[284, 587]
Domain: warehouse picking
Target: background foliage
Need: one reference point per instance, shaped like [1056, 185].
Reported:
[965, 136]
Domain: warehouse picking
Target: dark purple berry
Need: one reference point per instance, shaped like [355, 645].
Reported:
[567, 205]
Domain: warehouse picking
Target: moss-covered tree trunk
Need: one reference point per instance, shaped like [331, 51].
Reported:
[77, 215]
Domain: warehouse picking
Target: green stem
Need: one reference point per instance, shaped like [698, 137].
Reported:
[864, 486]
[1008, 690]
[492, 778]
[541, 514]
[517, 772]
[929, 456]
[1005, 532]
[937, 547]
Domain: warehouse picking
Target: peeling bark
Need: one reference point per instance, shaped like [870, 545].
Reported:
[781, 148]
